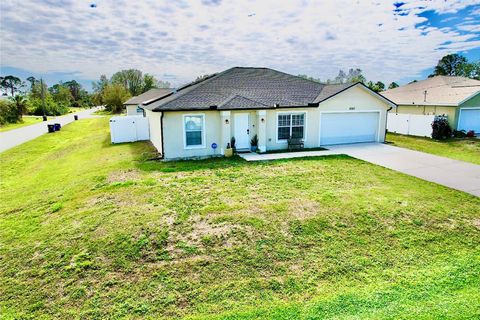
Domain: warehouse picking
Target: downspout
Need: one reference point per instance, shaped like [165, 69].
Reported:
[161, 136]
[386, 119]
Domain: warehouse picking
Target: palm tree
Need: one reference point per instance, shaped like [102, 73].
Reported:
[20, 104]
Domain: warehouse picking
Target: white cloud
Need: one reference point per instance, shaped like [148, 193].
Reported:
[179, 40]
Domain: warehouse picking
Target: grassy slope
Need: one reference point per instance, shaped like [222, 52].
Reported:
[94, 230]
[26, 121]
[459, 149]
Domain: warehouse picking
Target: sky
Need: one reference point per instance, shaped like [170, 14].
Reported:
[179, 40]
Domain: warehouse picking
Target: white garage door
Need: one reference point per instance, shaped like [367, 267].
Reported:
[469, 119]
[348, 127]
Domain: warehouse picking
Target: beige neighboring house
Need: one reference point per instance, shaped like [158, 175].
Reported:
[199, 119]
[456, 97]
[133, 103]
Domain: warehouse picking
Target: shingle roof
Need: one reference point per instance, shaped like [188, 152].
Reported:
[332, 89]
[239, 102]
[441, 90]
[246, 88]
[147, 96]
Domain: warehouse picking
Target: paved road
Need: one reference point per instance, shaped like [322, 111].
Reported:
[451, 173]
[12, 138]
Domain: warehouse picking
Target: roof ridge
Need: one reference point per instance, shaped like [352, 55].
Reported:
[233, 96]
[202, 81]
[444, 83]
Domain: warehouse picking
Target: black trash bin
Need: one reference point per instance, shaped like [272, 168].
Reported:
[75, 116]
[51, 128]
[57, 126]
[44, 118]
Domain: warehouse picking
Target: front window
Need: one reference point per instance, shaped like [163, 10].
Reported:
[193, 131]
[291, 126]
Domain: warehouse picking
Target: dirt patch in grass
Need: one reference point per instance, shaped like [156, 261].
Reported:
[303, 209]
[123, 176]
[476, 223]
[203, 233]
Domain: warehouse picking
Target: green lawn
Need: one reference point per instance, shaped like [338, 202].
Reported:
[26, 121]
[90, 230]
[76, 109]
[459, 149]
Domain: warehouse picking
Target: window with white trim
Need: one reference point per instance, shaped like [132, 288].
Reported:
[193, 130]
[291, 125]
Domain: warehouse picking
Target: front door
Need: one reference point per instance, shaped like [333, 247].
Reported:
[242, 131]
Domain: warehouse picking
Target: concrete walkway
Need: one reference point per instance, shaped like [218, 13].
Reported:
[12, 138]
[250, 156]
[451, 173]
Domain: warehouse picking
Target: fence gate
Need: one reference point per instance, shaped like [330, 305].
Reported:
[129, 129]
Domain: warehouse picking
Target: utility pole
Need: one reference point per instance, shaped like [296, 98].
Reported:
[43, 99]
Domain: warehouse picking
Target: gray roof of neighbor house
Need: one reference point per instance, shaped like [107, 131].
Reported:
[441, 91]
[150, 95]
[247, 88]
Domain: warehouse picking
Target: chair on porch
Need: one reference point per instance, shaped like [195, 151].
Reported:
[295, 144]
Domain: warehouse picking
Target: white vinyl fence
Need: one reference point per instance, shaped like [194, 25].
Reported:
[411, 124]
[129, 129]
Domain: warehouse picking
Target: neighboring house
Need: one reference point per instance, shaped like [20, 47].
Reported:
[456, 97]
[133, 103]
[243, 102]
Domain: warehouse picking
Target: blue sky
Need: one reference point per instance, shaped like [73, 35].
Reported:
[179, 40]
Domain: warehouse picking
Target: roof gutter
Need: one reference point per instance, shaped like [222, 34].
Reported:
[212, 108]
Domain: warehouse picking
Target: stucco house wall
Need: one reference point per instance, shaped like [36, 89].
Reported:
[154, 122]
[473, 102]
[132, 110]
[174, 135]
[219, 125]
[310, 128]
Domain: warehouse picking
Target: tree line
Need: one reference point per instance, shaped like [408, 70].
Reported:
[449, 65]
[34, 97]
[113, 92]
[352, 76]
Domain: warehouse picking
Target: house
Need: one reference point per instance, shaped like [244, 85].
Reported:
[152, 94]
[456, 97]
[199, 119]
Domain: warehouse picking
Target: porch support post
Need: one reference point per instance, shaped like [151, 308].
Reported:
[226, 131]
[262, 130]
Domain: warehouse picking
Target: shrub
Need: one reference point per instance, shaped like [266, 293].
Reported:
[254, 141]
[9, 112]
[51, 108]
[441, 129]
[114, 95]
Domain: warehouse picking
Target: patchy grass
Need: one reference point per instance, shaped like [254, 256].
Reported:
[459, 149]
[92, 230]
[26, 121]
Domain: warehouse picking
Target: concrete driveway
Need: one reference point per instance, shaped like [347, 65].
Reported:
[451, 173]
[12, 138]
